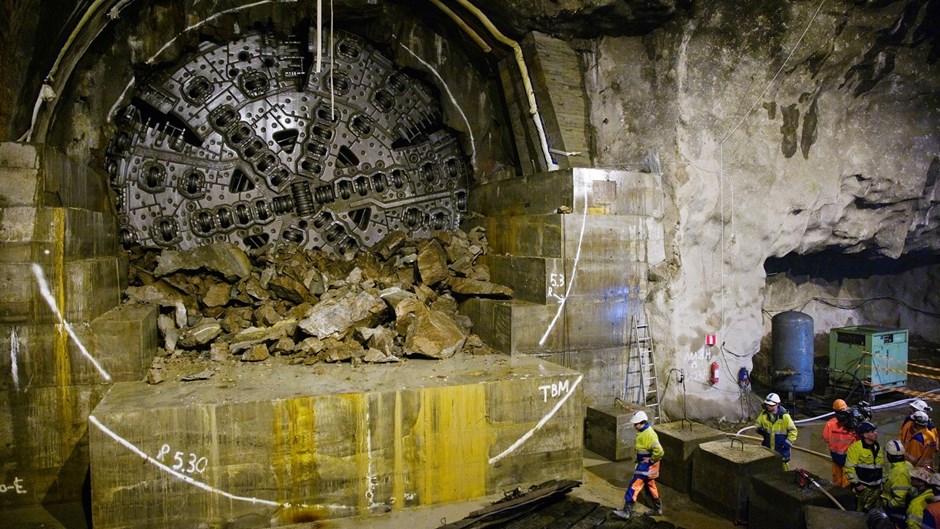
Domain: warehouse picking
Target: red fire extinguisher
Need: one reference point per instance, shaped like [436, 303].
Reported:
[713, 373]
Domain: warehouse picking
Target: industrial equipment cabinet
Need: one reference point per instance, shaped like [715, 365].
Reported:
[871, 355]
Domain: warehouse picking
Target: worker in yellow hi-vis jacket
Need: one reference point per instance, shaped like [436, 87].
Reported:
[648, 455]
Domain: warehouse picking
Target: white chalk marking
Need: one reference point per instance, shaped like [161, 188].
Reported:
[541, 423]
[574, 270]
[47, 295]
[14, 350]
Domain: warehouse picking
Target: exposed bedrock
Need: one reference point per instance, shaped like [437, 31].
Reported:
[775, 142]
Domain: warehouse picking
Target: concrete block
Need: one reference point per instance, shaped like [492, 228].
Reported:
[777, 500]
[126, 340]
[546, 280]
[604, 371]
[609, 433]
[91, 288]
[45, 356]
[358, 441]
[67, 183]
[512, 326]
[18, 186]
[559, 85]
[613, 237]
[680, 440]
[826, 518]
[636, 194]
[20, 155]
[83, 290]
[721, 475]
[524, 131]
[45, 447]
[45, 234]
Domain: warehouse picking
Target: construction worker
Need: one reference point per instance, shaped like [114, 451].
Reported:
[648, 455]
[917, 405]
[897, 485]
[838, 436]
[922, 493]
[863, 467]
[932, 511]
[919, 440]
[776, 426]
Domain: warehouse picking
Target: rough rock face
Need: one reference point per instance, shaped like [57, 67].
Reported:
[764, 154]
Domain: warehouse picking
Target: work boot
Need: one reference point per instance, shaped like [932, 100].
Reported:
[657, 510]
[626, 513]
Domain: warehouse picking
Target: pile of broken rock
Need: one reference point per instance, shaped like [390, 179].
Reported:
[399, 299]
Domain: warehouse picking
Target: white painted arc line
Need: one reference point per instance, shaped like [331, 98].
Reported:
[541, 423]
[208, 488]
[574, 271]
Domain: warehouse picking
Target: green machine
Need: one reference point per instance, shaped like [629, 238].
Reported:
[872, 355]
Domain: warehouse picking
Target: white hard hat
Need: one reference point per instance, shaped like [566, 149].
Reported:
[935, 479]
[772, 398]
[920, 418]
[922, 473]
[639, 417]
[895, 448]
[920, 405]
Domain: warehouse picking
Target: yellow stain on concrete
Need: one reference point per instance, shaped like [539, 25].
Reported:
[65, 392]
[398, 465]
[294, 428]
[365, 466]
[452, 436]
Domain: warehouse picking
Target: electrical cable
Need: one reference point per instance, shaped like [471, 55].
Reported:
[865, 301]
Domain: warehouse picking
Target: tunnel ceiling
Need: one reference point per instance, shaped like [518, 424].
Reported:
[247, 143]
[23, 74]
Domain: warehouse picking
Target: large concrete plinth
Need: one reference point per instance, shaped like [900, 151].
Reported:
[680, 440]
[721, 475]
[330, 440]
[778, 500]
[825, 518]
[608, 431]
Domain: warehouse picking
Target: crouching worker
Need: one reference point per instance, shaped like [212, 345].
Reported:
[648, 455]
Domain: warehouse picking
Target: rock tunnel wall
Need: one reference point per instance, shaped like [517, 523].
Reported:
[763, 152]
[775, 141]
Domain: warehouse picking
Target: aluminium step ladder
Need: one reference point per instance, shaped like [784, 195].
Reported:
[641, 386]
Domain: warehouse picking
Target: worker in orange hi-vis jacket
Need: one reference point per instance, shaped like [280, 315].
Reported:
[838, 435]
[919, 439]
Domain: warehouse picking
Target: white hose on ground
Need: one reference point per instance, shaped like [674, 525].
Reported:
[885, 406]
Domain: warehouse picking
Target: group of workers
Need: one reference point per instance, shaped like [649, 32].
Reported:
[907, 490]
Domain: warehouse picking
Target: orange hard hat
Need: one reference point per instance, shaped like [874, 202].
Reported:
[839, 405]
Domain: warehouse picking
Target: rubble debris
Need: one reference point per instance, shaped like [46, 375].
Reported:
[205, 374]
[224, 258]
[378, 307]
[476, 287]
[156, 373]
[434, 334]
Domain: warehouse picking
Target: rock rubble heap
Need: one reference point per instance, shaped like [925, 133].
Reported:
[398, 300]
